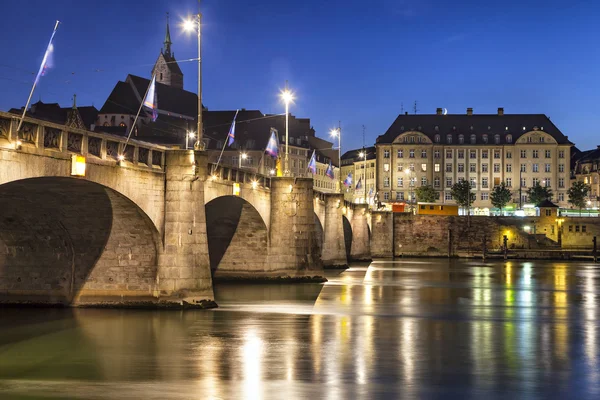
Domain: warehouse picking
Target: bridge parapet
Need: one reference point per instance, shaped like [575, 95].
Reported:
[60, 141]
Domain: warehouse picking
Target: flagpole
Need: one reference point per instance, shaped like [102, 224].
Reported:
[227, 138]
[308, 165]
[122, 155]
[41, 70]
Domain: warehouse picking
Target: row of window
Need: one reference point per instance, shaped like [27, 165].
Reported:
[412, 181]
[578, 228]
[473, 167]
[473, 154]
[325, 184]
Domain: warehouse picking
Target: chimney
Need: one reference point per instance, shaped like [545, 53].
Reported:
[405, 112]
[500, 110]
[470, 111]
[438, 111]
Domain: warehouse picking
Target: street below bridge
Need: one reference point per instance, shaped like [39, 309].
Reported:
[410, 328]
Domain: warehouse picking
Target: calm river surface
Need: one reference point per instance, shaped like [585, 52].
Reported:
[402, 329]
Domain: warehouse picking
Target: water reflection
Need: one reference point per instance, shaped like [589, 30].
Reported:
[408, 328]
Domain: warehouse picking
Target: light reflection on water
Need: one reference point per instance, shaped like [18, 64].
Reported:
[408, 328]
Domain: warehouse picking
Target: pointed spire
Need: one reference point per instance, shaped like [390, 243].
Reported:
[168, 42]
[74, 101]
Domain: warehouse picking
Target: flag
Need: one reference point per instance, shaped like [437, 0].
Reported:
[371, 192]
[329, 171]
[47, 56]
[359, 183]
[348, 180]
[150, 99]
[231, 134]
[273, 145]
[312, 164]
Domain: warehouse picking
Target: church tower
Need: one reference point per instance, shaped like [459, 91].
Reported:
[166, 68]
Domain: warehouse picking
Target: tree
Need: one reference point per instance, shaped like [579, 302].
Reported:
[538, 193]
[577, 194]
[426, 194]
[461, 193]
[500, 196]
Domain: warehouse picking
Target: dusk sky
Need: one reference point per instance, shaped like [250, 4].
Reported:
[354, 61]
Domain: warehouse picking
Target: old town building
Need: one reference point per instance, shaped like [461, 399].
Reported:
[487, 149]
[586, 168]
[362, 170]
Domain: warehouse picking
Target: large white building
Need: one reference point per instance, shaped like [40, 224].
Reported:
[520, 150]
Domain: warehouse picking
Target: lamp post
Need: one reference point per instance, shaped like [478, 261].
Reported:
[243, 156]
[363, 155]
[337, 132]
[189, 26]
[287, 98]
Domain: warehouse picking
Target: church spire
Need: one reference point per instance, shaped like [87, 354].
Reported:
[168, 42]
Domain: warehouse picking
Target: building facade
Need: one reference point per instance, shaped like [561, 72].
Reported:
[520, 150]
[586, 169]
[363, 171]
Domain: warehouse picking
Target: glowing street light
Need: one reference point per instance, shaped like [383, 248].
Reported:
[189, 135]
[243, 156]
[337, 132]
[287, 96]
[190, 25]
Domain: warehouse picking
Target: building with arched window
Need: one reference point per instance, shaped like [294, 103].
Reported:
[520, 150]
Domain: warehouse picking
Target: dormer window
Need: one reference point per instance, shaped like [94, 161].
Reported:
[448, 139]
[497, 139]
[508, 138]
[461, 139]
[473, 139]
[437, 138]
[437, 128]
[485, 138]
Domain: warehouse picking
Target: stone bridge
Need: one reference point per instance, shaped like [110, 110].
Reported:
[155, 227]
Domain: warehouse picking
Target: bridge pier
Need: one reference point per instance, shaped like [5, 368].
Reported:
[382, 234]
[361, 246]
[184, 269]
[334, 246]
[293, 247]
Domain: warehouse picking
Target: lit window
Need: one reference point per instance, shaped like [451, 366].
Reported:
[436, 167]
[386, 167]
[400, 153]
[424, 167]
[400, 182]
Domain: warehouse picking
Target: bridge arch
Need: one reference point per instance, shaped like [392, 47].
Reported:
[72, 241]
[238, 238]
[142, 185]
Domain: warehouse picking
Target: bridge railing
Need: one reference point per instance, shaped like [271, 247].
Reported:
[37, 136]
[230, 174]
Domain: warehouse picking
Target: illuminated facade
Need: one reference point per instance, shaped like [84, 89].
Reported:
[586, 169]
[439, 150]
[362, 170]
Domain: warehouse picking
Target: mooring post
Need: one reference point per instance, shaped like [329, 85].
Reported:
[505, 249]
[595, 250]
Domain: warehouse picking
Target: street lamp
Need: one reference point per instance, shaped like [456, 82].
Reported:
[337, 132]
[363, 155]
[189, 135]
[287, 96]
[190, 25]
[242, 157]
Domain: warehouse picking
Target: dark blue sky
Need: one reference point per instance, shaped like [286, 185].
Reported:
[354, 61]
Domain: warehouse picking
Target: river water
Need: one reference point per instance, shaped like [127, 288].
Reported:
[403, 329]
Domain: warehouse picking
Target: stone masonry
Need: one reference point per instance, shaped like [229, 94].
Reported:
[334, 246]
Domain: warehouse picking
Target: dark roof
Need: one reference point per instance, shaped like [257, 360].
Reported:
[547, 204]
[478, 124]
[53, 112]
[351, 156]
[253, 128]
[171, 100]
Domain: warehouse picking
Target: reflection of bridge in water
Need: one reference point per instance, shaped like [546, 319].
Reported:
[150, 228]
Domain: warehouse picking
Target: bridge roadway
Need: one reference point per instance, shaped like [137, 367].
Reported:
[155, 228]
